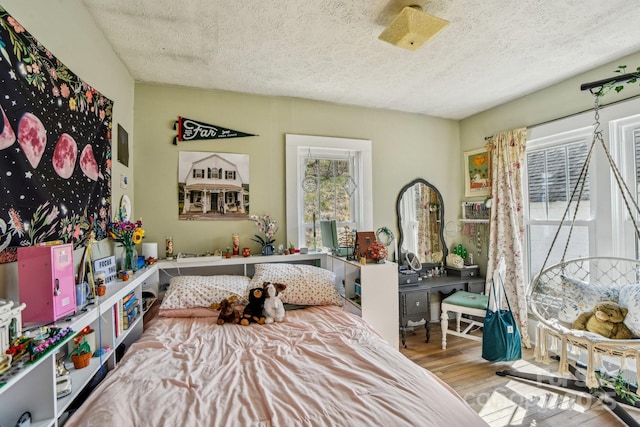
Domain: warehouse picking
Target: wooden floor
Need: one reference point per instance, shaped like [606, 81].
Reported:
[504, 401]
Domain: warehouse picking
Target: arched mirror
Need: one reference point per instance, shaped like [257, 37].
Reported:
[420, 213]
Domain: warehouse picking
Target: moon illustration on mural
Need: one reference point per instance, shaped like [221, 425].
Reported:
[7, 137]
[88, 163]
[65, 155]
[32, 137]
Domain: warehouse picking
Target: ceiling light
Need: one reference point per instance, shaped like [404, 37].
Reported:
[412, 28]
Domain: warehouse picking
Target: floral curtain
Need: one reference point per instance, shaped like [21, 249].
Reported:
[55, 148]
[506, 235]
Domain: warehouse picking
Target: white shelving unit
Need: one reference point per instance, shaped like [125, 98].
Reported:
[33, 387]
[236, 265]
[378, 295]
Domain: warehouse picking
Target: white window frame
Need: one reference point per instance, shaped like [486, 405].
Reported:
[622, 149]
[297, 151]
[583, 134]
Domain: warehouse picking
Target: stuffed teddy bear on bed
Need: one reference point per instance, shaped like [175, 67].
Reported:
[228, 311]
[606, 320]
[253, 312]
[273, 307]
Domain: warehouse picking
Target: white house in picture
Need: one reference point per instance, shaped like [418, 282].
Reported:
[214, 186]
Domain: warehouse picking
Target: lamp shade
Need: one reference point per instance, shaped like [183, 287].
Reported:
[411, 28]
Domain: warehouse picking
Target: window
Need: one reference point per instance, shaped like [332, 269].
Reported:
[230, 175]
[625, 144]
[337, 177]
[554, 152]
[198, 173]
[553, 167]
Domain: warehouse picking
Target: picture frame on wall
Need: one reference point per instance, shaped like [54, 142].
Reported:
[477, 173]
[123, 146]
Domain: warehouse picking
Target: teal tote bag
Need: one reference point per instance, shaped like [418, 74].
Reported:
[500, 335]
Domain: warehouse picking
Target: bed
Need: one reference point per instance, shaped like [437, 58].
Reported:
[322, 366]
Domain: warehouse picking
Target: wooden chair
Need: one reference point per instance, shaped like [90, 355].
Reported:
[462, 303]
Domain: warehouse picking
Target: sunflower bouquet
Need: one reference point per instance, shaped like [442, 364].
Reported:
[128, 234]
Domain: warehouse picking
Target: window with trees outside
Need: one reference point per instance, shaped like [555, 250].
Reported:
[333, 182]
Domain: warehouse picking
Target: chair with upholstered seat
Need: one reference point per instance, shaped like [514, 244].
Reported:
[461, 303]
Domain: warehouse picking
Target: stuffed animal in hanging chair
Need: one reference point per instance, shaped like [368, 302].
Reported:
[273, 307]
[606, 319]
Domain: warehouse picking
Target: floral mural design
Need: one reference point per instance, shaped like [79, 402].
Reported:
[55, 148]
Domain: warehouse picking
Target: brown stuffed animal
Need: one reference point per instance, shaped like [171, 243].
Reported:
[606, 320]
[228, 312]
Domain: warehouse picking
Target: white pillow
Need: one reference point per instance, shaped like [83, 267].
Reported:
[580, 297]
[630, 299]
[306, 284]
[187, 292]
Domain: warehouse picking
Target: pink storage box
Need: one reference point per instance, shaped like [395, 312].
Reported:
[47, 282]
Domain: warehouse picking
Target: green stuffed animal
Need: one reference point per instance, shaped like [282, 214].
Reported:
[606, 320]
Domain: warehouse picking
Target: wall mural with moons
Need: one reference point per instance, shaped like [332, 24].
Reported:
[55, 148]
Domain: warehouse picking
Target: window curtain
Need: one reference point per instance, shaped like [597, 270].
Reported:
[506, 235]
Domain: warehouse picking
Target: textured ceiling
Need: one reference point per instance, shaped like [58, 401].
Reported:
[492, 52]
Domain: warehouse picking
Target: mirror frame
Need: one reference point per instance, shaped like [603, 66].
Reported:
[445, 251]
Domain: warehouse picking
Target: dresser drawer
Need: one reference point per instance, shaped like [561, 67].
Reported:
[476, 288]
[414, 305]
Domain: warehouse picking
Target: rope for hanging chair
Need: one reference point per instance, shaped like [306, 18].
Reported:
[626, 194]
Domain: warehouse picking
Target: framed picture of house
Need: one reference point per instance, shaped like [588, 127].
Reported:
[477, 173]
[213, 186]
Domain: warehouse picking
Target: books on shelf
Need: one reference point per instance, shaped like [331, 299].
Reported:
[126, 311]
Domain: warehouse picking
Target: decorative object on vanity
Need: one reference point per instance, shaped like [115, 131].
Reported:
[420, 209]
[66, 161]
[192, 130]
[477, 172]
[213, 186]
[128, 234]
[268, 227]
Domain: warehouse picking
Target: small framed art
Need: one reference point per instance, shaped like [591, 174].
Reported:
[477, 173]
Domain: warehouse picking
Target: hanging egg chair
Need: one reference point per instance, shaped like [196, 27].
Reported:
[559, 294]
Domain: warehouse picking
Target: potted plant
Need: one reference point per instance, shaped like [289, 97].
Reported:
[81, 354]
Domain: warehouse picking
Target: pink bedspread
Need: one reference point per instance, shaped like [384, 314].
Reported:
[323, 367]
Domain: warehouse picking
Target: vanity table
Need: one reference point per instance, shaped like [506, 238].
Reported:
[421, 249]
[415, 298]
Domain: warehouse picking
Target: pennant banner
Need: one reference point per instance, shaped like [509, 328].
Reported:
[192, 130]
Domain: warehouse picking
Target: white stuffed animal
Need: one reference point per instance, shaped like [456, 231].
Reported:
[273, 307]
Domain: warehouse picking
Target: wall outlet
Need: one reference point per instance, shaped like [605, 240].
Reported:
[123, 181]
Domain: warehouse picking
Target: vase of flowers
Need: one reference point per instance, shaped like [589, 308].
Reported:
[268, 227]
[128, 234]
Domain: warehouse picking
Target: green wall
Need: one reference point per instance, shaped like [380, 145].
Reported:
[405, 146]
